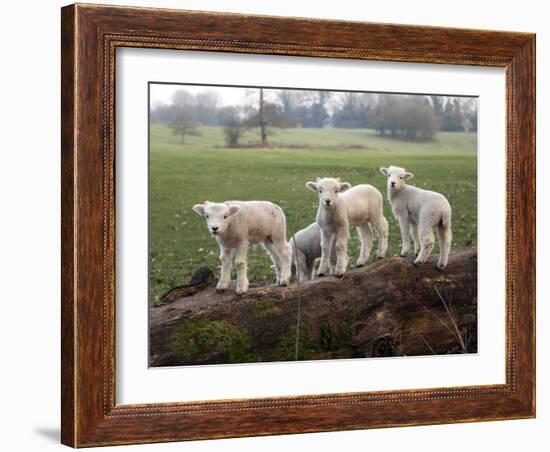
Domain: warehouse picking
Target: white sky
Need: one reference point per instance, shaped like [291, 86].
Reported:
[162, 93]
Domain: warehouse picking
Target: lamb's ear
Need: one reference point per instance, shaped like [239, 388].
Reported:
[233, 210]
[312, 186]
[344, 186]
[199, 209]
[384, 170]
[408, 175]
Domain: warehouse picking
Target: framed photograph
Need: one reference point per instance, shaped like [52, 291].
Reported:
[282, 225]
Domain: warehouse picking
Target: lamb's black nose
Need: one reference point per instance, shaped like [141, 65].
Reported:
[327, 202]
[214, 228]
[393, 184]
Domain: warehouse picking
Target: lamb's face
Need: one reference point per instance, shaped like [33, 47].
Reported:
[396, 177]
[328, 190]
[217, 215]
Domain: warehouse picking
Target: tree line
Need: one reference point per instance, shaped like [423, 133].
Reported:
[397, 116]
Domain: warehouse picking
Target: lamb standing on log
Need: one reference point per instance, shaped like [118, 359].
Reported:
[341, 206]
[419, 212]
[237, 224]
[305, 247]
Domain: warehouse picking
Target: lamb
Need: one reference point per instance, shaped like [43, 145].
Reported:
[305, 247]
[419, 212]
[341, 206]
[237, 224]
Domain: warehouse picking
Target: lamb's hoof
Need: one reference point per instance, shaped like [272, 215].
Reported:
[283, 284]
[441, 267]
[339, 275]
[380, 257]
[220, 290]
[416, 263]
[359, 265]
[321, 275]
[240, 293]
[403, 254]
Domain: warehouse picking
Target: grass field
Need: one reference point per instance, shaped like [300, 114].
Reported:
[202, 169]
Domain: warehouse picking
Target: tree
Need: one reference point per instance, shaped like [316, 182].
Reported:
[352, 111]
[319, 113]
[184, 124]
[182, 98]
[235, 127]
[410, 118]
[288, 99]
[305, 108]
[184, 121]
[266, 116]
[470, 113]
[161, 113]
[453, 119]
[373, 318]
[437, 104]
[206, 106]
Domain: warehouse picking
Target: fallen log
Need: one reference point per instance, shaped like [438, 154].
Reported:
[387, 308]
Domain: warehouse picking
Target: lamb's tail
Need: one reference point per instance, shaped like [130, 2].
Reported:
[446, 219]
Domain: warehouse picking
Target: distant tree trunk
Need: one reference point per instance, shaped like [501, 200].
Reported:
[387, 308]
[263, 122]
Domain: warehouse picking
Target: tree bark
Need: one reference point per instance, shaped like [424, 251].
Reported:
[263, 122]
[387, 308]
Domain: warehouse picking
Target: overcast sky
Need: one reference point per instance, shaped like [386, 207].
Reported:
[229, 96]
[162, 94]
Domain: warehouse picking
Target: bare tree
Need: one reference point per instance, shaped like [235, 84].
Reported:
[266, 116]
[351, 110]
[235, 127]
[289, 100]
[184, 124]
[262, 122]
[184, 121]
[182, 98]
[206, 107]
[469, 108]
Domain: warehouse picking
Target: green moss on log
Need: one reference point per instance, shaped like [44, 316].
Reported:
[223, 341]
[266, 309]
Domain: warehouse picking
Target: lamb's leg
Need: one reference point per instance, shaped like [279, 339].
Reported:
[225, 273]
[332, 257]
[281, 254]
[380, 225]
[365, 237]
[326, 241]
[275, 259]
[413, 228]
[303, 272]
[405, 236]
[342, 239]
[285, 257]
[426, 244]
[309, 270]
[240, 264]
[445, 237]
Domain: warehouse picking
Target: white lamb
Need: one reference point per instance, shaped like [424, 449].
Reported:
[419, 212]
[237, 224]
[341, 206]
[305, 247]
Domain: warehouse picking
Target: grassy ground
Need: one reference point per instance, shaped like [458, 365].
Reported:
[183, 175]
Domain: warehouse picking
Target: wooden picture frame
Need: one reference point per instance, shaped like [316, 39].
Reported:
[90, 36]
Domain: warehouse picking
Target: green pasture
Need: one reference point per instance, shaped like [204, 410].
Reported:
[203, 169]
